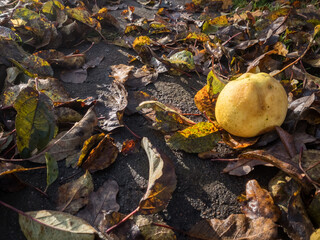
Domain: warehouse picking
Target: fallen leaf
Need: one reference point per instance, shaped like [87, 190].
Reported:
[101, 156]
[134, 100]
[211, 26]
[47, 224]
[314, 210]
[285, 192]
[9, 168]
[103, 200]
[259, 203]
[111, 106]
[310, 163]
[298, 217]
[236, 226]
[130, 146]
[238, 142]
[205, 99]
[287, 140]
[127, 230]
[289, 167]
[52, 169]
[35, 124]
[182, 60]
[166, 119]
[162, 180]
[121, 72]
[70, 142]
[151, 231]
[242, 167]
[74, 195]
[200, 137]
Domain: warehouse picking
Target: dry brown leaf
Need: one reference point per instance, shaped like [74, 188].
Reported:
[162, 180]
[259, 203]
[74, 195]
[236, 226]
[121, 72]
[103, 200]
[102, 156]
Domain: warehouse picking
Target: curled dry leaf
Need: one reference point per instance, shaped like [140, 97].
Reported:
[289, 167]
[165, 119]
[238, 142]
[121, 72]
[74, 195]
[9, 168]
[52, 225]
[162, 180]
[236, 226]
[100, 202]
[101, 156]
[111, 106]
[259, 203]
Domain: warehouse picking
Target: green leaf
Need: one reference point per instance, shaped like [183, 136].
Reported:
[215, 85]
[53, 225]
[182, 60]
[35, 121]
[52, 169]
[201, 137]
[211, 26]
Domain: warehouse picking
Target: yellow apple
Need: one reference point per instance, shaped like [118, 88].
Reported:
[251, 105]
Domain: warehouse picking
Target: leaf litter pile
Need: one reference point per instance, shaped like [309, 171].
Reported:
[41, 123]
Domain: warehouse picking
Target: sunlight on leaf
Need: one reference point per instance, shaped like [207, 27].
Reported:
[259, 203]
[165, 119]
[53, 225]
[201, 137]
[162, 180]
[35, 121]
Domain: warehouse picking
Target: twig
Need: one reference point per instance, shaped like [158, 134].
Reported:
[88, 48]
[295, 61]
[169, 227]
[133, 133]
[231, 38]
[304, 171]
[23, 213]
[123, 220]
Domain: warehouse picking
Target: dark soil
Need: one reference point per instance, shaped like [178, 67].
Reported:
[202, 190]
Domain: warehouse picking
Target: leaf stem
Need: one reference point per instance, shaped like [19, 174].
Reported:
[123, 220]
[133, 133]
[21, 213]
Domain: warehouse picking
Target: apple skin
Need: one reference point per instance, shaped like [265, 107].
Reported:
[251, 105]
